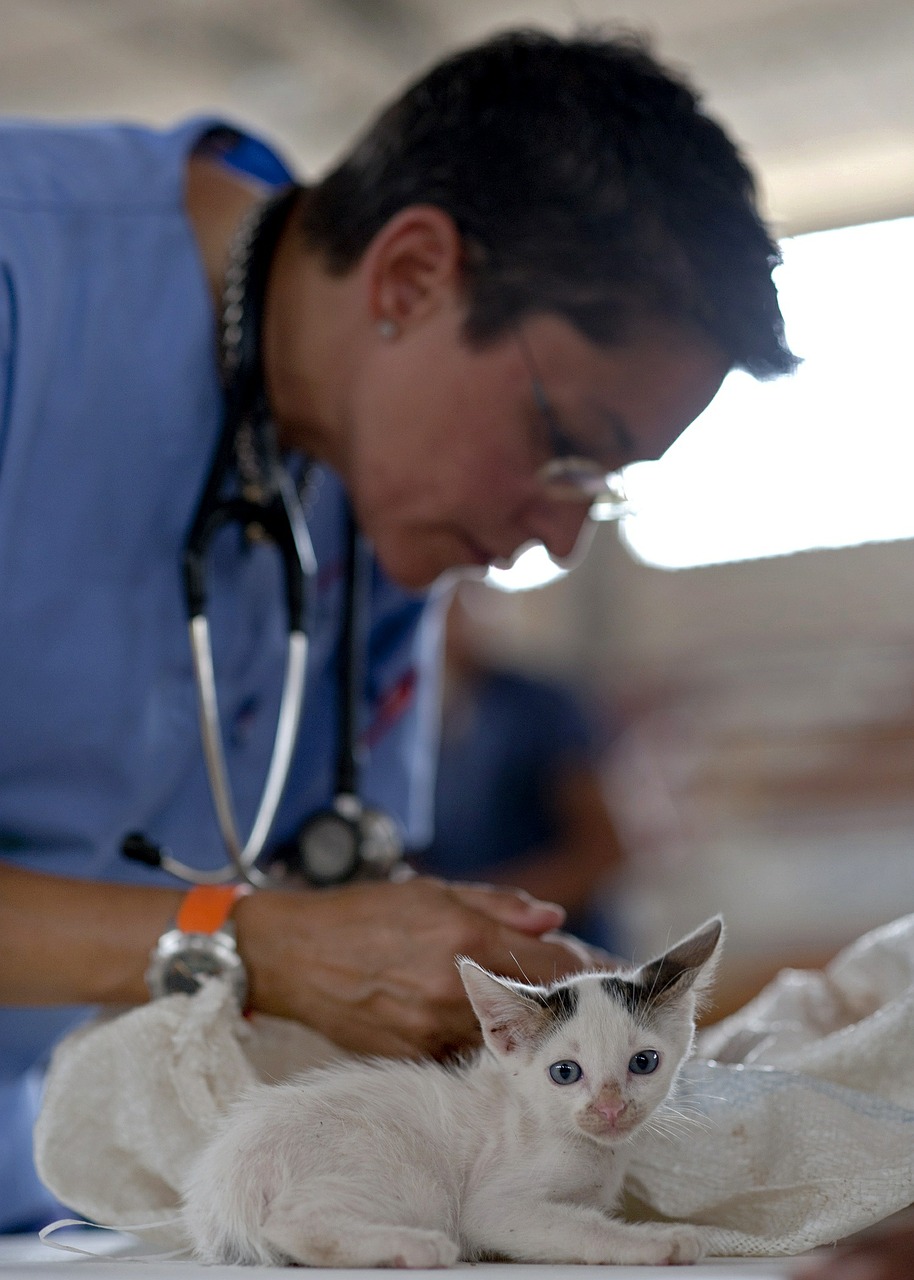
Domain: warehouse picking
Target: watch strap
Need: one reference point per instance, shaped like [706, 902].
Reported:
[207, 907]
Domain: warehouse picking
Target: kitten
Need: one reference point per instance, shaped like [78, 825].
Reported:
[518, 1152]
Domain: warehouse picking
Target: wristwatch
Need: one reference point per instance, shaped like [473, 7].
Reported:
[200, 944]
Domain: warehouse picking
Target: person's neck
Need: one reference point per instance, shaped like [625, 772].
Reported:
[312, 336]
[302, 335]
[216, 199]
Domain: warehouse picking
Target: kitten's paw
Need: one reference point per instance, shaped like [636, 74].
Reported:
[312, 1240]
[660, 1246]
[414, 1249]
[682, 1244]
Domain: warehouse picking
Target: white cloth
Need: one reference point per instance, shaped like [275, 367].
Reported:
[802, 1106]
[130, 1099]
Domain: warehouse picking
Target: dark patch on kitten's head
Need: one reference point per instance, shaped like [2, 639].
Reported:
[650, 988]
[554, 1005]
[670, 976]
[631, 995]
[561, 1002]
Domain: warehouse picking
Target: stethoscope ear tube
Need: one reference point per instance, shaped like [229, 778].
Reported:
[280, 520]
[244, 855]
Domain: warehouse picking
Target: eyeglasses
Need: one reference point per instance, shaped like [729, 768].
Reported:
[568, 476]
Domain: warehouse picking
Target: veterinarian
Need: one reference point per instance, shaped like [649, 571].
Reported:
[534, 268]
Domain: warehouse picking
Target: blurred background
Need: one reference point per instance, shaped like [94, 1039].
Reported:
[748, 632]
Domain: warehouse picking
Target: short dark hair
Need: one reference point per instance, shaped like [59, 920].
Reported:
[584, 179]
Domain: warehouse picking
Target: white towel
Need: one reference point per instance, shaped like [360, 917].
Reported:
[130, 1099]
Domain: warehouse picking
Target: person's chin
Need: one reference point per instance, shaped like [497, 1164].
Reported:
[415, 572]
[418, 572]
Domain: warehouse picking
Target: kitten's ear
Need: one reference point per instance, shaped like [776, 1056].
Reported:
[689, 966]
[509, 1014]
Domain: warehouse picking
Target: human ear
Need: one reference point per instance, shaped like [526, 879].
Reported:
[412, 267]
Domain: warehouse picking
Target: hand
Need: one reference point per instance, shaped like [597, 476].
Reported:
[884, 1252]
[591, 956]
[372, 967]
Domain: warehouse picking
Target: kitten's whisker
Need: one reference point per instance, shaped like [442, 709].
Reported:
[667, 1128]
[653, 1126]
[686, 1114]
[521, 969]
[691, 1122]
[699, 1097]
[687, 1104]
[686, 1127]
[676, 1122]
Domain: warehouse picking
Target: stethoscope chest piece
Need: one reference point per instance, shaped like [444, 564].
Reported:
[349, 841]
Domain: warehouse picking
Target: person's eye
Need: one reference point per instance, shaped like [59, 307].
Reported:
[644, 1063]
[565, 1072]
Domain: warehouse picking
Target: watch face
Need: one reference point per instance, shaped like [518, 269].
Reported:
[182, 962]
[185, 971]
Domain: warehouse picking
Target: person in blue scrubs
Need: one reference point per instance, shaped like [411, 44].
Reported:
[534, 268]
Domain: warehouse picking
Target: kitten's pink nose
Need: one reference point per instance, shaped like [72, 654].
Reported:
[609, 1108]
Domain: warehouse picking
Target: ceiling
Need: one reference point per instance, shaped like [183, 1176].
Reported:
[819, 92]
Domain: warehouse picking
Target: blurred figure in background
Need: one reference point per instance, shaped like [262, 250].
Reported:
[519, 797]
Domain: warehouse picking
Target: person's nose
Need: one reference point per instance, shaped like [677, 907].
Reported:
[558, 526]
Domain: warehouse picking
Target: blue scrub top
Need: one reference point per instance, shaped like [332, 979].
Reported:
[507, 741]
[110, 408]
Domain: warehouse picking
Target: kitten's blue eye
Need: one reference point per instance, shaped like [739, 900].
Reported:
[643, 1063]
[565, 1072]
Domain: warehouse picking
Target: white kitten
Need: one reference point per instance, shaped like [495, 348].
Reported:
[517, 1153]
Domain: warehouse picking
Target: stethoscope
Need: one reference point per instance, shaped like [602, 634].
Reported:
[249, 485]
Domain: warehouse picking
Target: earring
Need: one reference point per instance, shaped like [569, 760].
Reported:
[388, 329]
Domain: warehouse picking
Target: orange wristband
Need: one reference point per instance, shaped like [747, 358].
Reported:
[206, 907]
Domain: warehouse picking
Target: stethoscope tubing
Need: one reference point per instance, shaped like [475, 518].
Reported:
[243, 854]
[266, 505]
[282, 522]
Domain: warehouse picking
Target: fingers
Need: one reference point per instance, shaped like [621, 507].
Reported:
[885, 1252]
[591, 957]
[536, 961]
[511, 907]
[870, 1264]
[584, 955]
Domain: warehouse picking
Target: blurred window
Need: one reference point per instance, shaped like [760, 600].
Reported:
[821, 459]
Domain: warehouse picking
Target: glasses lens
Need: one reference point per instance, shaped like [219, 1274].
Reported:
[582, 480]
[610, 506]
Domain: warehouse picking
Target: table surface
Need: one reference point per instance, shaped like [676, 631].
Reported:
[117, 1255]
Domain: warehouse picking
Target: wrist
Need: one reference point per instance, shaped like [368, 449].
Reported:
[259, 938]
[278, 936]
